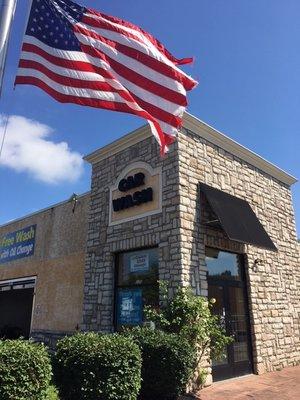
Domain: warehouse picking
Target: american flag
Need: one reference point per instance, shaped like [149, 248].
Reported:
[78, 55]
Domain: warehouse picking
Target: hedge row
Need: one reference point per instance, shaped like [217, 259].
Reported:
[168, 363]
[139, 364]
[97, 367]
[25, 370]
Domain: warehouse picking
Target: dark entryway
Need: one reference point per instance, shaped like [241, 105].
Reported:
[16, 299]
[227, 284]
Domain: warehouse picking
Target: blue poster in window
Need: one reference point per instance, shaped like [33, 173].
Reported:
[129, 306]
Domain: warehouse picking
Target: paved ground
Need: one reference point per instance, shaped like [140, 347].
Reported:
[281, 385]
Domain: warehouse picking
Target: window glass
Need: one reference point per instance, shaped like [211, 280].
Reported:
[138, 267]
[217, 292]
[137, 285]
[223, 265]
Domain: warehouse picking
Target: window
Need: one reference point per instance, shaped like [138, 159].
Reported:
[223, 265]
[136, 285]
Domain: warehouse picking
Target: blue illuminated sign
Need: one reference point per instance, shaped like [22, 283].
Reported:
[18, 244]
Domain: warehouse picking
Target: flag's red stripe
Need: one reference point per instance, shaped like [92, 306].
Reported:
[143, 58]
[97, 103]
[127, 73]
[169, 139]
[136, 78]
[77, 83]
[68, 64]
[158, 112]
[73, 82]
[97, 23]
[65, 98]
[152, 39]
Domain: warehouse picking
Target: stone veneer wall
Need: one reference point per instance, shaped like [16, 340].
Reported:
[104, 241]
[274, 287]
[180, 236]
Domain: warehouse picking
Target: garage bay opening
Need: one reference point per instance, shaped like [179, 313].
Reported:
[16, 303]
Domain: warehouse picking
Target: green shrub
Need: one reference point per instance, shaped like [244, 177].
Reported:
[51, 393]
[168, 362]
[25, 370]
[90, 366]
[192, 317]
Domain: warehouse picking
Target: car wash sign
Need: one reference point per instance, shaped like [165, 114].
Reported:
[18, 244]
[136, 193]
[135, 199]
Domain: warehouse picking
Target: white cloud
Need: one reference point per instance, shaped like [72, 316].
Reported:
[27, 148]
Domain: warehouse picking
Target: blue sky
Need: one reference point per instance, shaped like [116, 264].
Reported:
[247, 61]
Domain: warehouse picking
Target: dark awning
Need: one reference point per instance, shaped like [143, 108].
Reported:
[237, 218]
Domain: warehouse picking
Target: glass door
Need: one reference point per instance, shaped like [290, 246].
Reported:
[226, 283]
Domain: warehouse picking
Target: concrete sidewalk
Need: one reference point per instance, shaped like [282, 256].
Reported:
[279, 385]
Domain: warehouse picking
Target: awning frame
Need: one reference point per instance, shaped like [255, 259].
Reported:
[229, 211]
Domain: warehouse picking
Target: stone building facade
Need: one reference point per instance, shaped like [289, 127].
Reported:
[179, 231]
[97, 260]
[273, 284]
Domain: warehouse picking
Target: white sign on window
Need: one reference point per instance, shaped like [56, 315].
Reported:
[139, 263]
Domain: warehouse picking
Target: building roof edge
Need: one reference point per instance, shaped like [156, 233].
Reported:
[12, 221]
[203, 130]
[221, 140]
[118, 145]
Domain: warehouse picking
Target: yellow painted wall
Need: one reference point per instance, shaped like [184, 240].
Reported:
[57, 264]
[58, 291]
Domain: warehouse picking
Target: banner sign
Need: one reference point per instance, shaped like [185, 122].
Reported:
[139, 263]
[18, 244]
[129, 307]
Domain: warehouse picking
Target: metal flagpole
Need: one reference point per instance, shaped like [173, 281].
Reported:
[7, 9]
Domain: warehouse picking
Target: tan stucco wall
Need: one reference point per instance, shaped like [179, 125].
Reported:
[57, 264]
